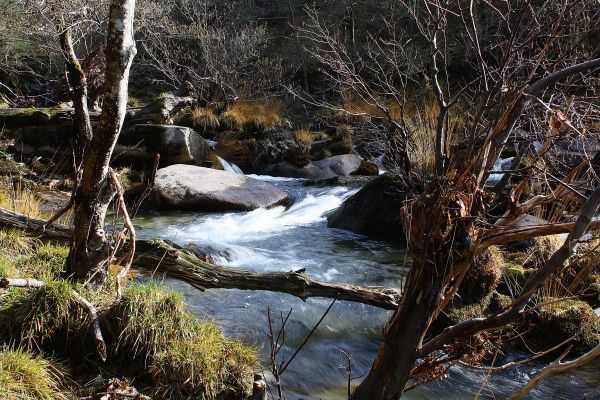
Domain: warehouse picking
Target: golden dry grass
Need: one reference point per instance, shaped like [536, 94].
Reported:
[256, 115]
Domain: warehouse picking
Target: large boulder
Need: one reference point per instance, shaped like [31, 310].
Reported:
[323, 169]
[176, 145]
[374, 210]
[204, 189]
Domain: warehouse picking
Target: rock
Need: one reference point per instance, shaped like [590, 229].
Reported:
[52, 200]
[162, 109]
[204, 189]
[176, 145]
[323, 169]
[349, 181]
[374, 210]
[20, 117]
[44, 141]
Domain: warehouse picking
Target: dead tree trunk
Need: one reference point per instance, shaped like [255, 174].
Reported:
[90, 252]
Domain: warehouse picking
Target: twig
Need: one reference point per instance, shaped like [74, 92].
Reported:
[128, 227]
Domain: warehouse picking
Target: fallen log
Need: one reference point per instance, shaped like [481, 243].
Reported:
[165, 257]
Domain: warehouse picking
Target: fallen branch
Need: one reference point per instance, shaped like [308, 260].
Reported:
[190, 266]
[91, 309]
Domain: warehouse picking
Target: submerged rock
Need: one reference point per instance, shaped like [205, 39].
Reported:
[176, 145]
[204, 189]
[323, 169]
[374, 210]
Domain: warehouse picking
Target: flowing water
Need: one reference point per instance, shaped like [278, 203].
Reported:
[282, 239]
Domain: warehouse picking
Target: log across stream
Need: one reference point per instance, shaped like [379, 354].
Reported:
[257, 250]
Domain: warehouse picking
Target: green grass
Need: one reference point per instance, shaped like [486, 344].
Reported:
[47, 316]
[187, 358]
[24, 376]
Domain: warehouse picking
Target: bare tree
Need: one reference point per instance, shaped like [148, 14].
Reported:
[503, 76]
[214, 46]
[91, 251]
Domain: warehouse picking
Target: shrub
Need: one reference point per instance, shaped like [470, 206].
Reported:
[24, 376]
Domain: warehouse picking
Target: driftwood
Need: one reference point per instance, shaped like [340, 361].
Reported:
[161, 256]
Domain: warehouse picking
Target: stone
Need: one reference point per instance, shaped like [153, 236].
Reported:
[323, 169]
[190, 187]
[176, 145]
[162, 109]
[374, 210]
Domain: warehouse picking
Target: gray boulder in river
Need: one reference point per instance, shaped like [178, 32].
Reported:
[188, 187]
[323, 169]
[176, 144]
[374, 210]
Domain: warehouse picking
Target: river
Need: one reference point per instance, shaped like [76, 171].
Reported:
[283, 239]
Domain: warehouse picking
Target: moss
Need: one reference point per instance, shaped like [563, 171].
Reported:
[134, 102]
[483, 276]
[24, 376]
[458, 312]
[560, 320]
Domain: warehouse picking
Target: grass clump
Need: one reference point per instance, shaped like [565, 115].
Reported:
[187, 358]
[150, 317]
[45, 263]
[24, 376]
[48, 315]
[205, 121]
[208, 366]
[253, 116]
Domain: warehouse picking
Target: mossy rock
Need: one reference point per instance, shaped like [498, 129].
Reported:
[562, 319]
[21, 117]
[483, 276]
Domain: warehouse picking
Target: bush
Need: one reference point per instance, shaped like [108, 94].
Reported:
[24, 376]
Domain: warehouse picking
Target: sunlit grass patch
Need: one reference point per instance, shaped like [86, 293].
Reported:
[24, 376]
[253, 116]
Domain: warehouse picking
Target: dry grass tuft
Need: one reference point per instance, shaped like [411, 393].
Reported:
[253, 116]
[204, 120]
